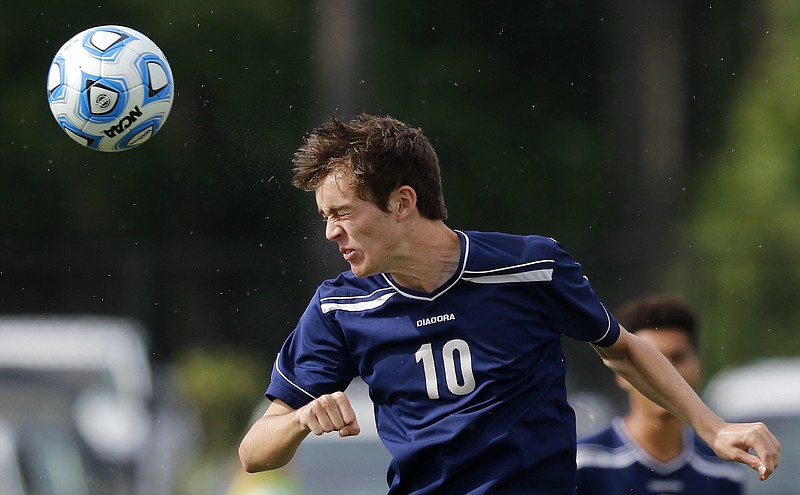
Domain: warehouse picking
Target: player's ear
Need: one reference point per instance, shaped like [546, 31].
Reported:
[403, 200]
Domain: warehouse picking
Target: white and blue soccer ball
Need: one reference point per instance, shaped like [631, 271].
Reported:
[110, 88]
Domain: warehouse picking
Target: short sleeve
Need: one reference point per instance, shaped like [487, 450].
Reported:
[313, 361]
[575, 309]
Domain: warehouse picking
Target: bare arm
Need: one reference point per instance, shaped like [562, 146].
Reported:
[651, 373]
[274, 438]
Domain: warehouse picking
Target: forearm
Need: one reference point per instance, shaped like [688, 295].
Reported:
[649, 371]
[271, 442]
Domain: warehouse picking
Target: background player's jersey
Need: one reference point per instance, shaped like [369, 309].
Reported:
[610, 462]
[468, 381]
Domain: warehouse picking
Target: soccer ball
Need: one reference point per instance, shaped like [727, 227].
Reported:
[110, 88]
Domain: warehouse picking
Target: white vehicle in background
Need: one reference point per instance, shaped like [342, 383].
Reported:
[94, 375]
[766, 390]
[326, 464]
[40, 457]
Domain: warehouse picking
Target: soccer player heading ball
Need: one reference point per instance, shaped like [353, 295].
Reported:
[457, 334]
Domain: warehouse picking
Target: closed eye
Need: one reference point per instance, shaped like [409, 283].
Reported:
[334, 214]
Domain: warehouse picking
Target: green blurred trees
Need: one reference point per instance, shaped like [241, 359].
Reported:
[739, 258]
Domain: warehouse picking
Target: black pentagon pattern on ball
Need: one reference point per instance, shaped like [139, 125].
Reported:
[105, 40]
[102, 99]
[55, 78]
[157, 78]
[84, 139]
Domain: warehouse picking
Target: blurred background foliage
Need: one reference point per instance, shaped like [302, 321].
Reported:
[657, 142]
[742, 237]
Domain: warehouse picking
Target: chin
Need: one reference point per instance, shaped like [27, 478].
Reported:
[363, 267]
[360, 271]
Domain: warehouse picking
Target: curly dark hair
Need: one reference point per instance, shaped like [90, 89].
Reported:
[658, 311]
[382, 154]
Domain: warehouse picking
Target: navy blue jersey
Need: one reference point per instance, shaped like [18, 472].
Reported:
[611, 462]
[467, 381]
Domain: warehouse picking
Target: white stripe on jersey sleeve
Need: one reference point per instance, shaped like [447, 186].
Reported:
[543, 275]
[280, 371]
[608, 327]
[512, 274]
[327, 305]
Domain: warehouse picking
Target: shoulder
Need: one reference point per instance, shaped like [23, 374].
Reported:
[705, 462]
[700, 447]
[488, 250]
[606, 437]
[352, 293]
[346, 284]
[506, 241]
[606, 449]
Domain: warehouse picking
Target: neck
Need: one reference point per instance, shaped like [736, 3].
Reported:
[427, 257]
[660, 436]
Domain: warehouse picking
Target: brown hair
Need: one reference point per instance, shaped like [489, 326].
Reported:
[381, 153]
[658, 311]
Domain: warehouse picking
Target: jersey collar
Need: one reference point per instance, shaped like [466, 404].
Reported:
[453, 280]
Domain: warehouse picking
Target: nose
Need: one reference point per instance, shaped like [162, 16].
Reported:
[332, 230]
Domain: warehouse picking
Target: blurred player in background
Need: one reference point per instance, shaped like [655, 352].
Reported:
[650, 450]
[457, 334]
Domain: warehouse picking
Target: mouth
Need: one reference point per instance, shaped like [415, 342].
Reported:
[347, 253]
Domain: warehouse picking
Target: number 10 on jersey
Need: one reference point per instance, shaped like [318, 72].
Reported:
[452, 352]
